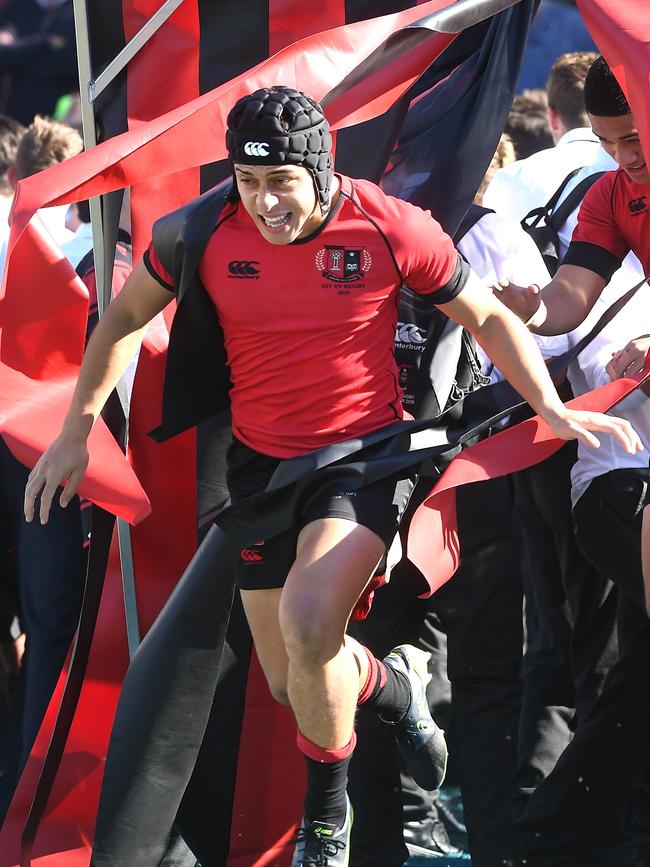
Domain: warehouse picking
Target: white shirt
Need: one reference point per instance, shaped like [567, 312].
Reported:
[81, 243]
[499, 249]
[526, 184]
[602, 163]
[5, 208]
[588, 372]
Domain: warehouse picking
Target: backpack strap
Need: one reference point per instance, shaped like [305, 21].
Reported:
[558, 218]
[533, 218]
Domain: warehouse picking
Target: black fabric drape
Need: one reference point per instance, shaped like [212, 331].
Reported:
[452, 128]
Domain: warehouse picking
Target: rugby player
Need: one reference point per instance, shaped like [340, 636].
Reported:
[304, 269]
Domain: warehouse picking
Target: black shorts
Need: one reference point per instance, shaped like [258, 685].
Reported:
[266, 564]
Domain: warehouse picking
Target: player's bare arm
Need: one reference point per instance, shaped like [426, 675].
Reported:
[558, 307]
[112, 346]
[513, 350]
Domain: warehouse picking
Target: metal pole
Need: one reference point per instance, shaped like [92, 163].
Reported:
[96, 86]
[84, 62]
[104, 287]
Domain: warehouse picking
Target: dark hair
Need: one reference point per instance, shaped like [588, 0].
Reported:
[11, 133]
[565, 88]
[527, 123]
[603, 94]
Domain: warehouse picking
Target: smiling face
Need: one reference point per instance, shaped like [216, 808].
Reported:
[281, 201]
[620, 138]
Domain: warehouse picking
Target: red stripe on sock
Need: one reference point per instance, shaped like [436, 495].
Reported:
[376, 674]
[323, 754]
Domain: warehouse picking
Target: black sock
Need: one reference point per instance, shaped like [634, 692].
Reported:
[392, 700]
[327, 783]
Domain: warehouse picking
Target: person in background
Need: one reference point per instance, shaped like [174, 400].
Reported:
[11, 133]
[529, 183]
[76, 247]
[38, 56]
[577, 817]
[527, 123]
[50, 561]
[479, 613]
[44, 143]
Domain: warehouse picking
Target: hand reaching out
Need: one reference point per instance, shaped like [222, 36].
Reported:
[524, 301]
[64, 463]
[581, 424]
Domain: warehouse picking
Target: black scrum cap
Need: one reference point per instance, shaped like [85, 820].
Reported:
[279, 126]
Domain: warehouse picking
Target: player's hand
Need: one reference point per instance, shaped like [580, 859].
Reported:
[64, 463]
[522, 300]
[630, 359]
[581, 424]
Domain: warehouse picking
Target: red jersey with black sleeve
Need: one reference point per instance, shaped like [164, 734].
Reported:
[309, 327]
[613, 219]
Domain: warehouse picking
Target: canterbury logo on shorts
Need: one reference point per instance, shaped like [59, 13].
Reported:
[256, 149]
[250, 555]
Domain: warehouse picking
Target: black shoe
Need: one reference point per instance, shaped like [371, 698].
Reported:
[323, 845]
[428, 837]
[421, 743]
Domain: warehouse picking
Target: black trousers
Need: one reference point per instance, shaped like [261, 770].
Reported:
[571, 610]
[51, 570]
[481, 611]
[595, 800]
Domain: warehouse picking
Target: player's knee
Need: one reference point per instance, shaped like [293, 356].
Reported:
[307, 635]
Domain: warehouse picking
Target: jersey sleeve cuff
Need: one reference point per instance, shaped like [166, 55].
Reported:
[146, 261]
[593, 258]
[455, 285]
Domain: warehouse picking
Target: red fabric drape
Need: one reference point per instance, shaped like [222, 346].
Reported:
[42, 331]
[433, 537]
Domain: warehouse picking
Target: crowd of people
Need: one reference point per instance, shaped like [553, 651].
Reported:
[539, 646]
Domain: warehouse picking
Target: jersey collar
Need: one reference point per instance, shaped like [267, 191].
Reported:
[345, 189]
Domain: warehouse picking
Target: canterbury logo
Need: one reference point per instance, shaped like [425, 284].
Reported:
[638, 205]
[256, 149]
[408, 333]
[240, 268]
[250, 555]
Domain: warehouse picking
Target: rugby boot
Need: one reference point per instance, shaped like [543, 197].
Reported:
[421, 742]
[320, 844]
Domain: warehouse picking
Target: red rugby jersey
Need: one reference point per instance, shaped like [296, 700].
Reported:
[309, 327]
[613, 219]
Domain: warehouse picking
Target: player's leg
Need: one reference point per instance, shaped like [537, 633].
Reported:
[334, 561]
[261, 609]
[329, 673]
